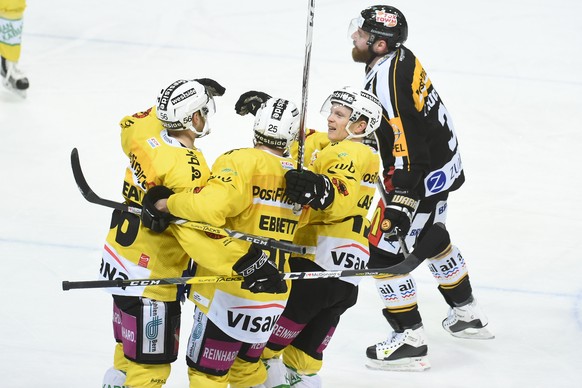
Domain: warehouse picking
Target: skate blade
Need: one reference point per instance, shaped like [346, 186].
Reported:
[411, 364]
[474, 333]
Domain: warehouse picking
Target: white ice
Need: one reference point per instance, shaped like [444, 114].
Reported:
[509, 72]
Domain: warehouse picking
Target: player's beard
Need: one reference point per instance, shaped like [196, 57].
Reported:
[361, 56]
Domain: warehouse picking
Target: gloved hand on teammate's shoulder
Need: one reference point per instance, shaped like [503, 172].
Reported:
[151, 217]
[399, 212]
[308, 188]
[260, 274]
[250, 102]
[212, 87]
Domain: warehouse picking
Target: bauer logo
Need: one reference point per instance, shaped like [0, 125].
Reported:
[436, 181]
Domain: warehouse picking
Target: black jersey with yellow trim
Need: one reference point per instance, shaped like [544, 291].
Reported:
[416, 135]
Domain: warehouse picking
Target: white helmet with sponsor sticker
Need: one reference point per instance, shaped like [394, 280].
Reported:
[179, 101]
[276, 123]
[363, 104]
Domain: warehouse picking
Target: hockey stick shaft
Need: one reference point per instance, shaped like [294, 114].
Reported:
[92, 197]
[404, 267]
[304, 89]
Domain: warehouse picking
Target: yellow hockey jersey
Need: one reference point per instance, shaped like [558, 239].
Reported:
[132, 251]
[244, 193]
[340, 231]
[314, 142]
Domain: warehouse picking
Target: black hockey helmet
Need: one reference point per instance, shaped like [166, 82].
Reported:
[384, 22]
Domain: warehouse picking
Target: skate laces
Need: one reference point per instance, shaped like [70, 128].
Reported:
[394, 340]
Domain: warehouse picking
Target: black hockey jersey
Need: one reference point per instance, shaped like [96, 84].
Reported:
[416, 138]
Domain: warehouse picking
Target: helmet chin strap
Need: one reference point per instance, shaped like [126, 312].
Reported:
[205, 130]
[351, 135]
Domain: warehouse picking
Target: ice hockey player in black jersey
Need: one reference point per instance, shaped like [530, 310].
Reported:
[421, 165]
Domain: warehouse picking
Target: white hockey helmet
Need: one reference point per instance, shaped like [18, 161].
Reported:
[361, 102]
[276, 123]
[179, 101]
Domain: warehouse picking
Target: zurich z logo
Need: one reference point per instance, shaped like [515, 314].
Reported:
[436, 181]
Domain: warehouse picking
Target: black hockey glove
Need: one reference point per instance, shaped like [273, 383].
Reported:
[260, 273]
[151, 217]
[250, 102]
[399, 211]
[308, 188]
[212, 87]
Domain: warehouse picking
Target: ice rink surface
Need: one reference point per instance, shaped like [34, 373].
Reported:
[508, 72]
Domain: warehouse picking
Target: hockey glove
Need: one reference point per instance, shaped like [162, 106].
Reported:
[151, 217]
[250, 102]
[399, 212]
[212, 87]
[308, 188]
[260, 274]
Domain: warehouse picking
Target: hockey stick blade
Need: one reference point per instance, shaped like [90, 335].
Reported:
[90, 196]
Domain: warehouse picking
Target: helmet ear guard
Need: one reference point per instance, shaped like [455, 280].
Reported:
[177, 103]
[362, 103]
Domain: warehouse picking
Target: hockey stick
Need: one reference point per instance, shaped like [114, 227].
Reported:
[306, 63]
[435, 235]
[90, 196]
[403, 267]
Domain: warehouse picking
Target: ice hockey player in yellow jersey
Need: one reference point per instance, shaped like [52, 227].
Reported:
[11, 17]
[338, 189]
[232, 322]
[159, 144]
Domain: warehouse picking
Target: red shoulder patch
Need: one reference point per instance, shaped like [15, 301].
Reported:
[141, 115]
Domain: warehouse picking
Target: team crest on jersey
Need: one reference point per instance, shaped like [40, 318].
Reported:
[388, 19]
[153, 142]
[341, 186]
[141, 115]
